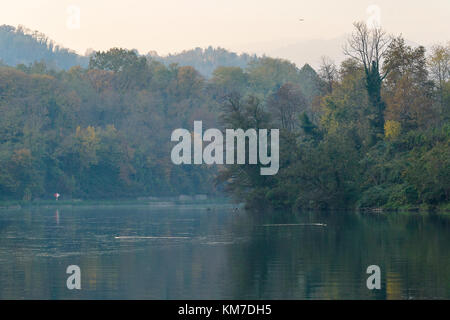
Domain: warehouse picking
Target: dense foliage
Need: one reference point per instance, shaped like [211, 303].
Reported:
[333, 153]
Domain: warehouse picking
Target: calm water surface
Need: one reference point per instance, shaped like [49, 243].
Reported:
[189, 252]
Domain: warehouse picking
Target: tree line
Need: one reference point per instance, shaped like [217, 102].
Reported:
[370, 132]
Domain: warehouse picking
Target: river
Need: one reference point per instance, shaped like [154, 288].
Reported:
[214, 252]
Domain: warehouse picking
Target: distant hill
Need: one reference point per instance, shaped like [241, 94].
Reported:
[23, 46]
[206, 60]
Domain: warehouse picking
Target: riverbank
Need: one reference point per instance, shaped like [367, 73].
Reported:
[443, 208]
[19, 204]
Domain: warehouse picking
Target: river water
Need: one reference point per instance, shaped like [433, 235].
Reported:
[200, 252]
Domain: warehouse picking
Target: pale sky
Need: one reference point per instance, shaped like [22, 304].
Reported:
[173, 25]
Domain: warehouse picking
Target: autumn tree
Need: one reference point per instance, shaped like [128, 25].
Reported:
[368, 46]
[130, 68]
[408, 90]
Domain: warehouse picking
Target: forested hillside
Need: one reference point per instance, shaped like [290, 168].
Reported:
[104, 131]
[371, 132]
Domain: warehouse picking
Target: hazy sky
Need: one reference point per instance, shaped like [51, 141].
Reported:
[173, 25]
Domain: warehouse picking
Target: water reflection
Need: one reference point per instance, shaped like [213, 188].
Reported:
[57, 216]
[195, 253]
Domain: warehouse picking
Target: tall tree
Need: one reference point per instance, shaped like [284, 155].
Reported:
[439, 66]
[328, 73]
[368, 46]
[407, 88]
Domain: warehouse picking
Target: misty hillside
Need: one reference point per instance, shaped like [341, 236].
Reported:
[23, 46]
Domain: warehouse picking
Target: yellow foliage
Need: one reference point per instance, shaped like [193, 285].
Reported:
[88, 144]
[392, 129]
